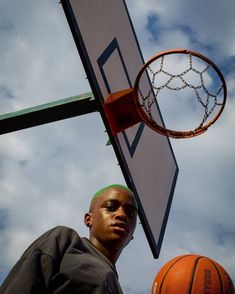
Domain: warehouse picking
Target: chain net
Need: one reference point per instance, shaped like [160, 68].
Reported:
[197, 76]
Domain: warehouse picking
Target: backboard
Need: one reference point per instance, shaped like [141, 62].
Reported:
[111, 57]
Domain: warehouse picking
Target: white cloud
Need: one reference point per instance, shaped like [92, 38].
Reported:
[48, 173]
[205, 23]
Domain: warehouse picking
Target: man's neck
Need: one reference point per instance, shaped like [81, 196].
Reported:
[109, 249]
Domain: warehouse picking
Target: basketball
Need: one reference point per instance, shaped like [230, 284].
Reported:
[192, 274]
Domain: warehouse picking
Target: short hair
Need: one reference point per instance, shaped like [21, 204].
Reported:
[101, 191]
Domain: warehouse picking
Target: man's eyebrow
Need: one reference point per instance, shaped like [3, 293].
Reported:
[131, 204]
[111, 200]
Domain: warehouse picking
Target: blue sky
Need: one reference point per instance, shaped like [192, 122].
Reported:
[48, 173]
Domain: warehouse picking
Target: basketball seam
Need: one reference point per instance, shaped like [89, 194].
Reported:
[220, 279]
[193, 274]
[161, 285]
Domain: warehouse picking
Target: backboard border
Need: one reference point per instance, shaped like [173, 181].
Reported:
[155, 246]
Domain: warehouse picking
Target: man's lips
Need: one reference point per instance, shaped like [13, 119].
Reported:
[120, 226]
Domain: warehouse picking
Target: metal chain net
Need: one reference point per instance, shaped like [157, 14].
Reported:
[209, 103]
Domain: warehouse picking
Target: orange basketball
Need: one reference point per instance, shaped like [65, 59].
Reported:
[192, 274]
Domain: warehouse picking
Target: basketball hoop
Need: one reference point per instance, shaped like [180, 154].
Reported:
[169, 73]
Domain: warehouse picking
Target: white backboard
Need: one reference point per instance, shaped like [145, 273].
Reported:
[111, 56]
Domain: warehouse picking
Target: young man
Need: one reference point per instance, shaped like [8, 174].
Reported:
[62, 262]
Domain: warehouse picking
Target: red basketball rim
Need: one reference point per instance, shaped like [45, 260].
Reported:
[162, 129]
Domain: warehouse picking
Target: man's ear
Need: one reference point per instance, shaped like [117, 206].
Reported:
[88, 219]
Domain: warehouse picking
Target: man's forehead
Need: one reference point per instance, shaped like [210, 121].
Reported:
[114, 192]
[118, 196]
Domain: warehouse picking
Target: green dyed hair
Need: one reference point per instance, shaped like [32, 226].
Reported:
[100, 192]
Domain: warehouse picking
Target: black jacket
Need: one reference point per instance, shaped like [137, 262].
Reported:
[61, 262]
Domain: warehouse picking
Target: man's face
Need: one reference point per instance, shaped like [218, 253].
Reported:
[113, 217]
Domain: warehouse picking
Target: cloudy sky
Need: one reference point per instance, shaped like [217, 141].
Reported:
[48, 173]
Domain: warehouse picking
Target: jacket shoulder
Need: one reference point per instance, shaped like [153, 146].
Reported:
[53, 242]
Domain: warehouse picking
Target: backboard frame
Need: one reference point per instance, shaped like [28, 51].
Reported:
[154, 244]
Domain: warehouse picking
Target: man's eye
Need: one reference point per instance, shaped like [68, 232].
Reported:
[111, 207]
[131, 212]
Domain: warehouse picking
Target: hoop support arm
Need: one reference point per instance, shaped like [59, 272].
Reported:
[120, 110]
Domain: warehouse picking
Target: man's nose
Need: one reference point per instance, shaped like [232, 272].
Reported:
[121, 214]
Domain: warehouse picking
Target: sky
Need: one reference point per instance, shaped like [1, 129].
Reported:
[48, 173]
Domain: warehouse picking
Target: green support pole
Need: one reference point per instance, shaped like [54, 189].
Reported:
[49, 112]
